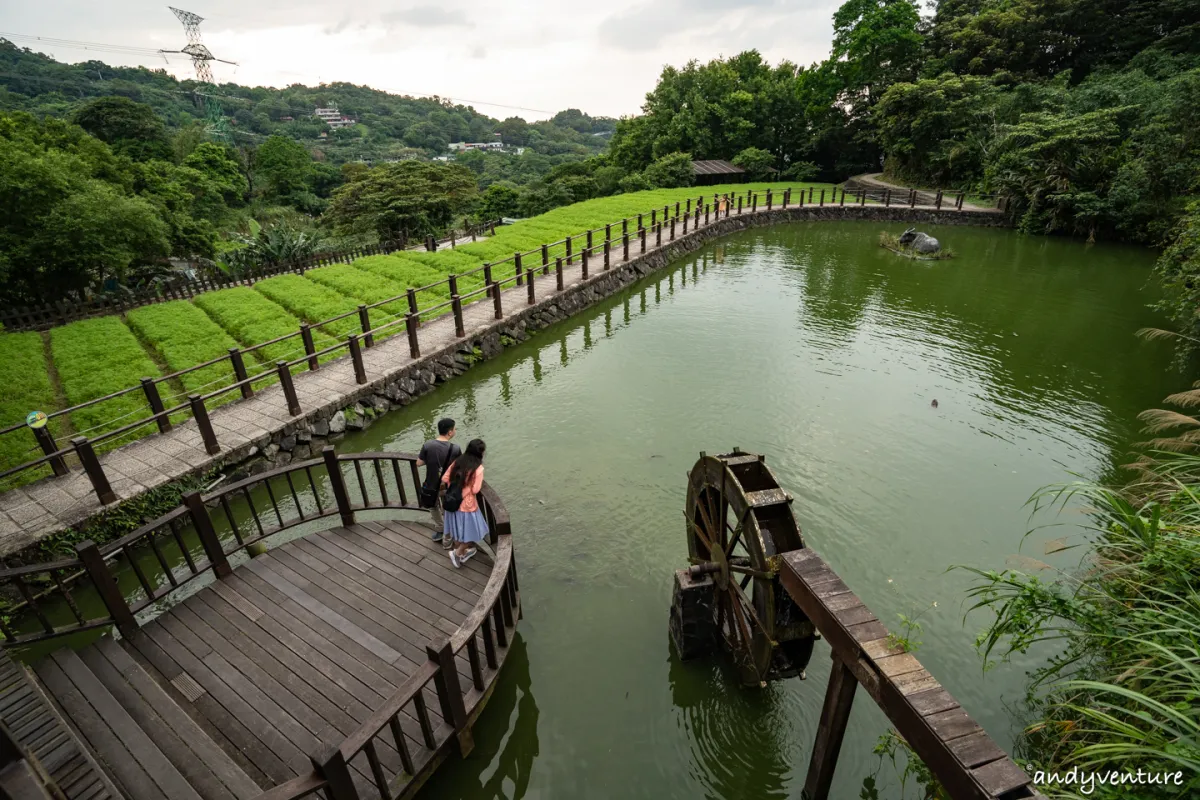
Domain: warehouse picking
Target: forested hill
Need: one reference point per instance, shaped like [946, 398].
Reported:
[389, 125]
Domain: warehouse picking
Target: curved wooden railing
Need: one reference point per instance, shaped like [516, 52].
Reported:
[403, 742]
[56, 598]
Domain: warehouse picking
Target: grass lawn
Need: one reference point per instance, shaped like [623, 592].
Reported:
[312, 302]
[96, 357]
[251, 318]
[183, 336]
[24, 387]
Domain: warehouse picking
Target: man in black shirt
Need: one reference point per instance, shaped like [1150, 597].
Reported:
[436, 456]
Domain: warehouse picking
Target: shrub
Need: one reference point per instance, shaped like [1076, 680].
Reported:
[96, 357]
[183, 336]
[758, 163]
[27, 388]
[251, 318]
[671, 171]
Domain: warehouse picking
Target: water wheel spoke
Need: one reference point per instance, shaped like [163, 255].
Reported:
[737, 533]
[744, 601]
[707, 524]
[699, 532]
[739, 610]
[749, 571]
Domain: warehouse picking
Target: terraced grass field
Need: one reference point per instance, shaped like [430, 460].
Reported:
[96, 357]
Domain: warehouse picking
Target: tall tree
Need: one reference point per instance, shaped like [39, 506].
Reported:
[410, 197]
[129, 128]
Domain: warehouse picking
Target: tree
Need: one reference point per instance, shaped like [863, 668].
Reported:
[875, 44]
[214, 163]
[284, 165]
[514, 131]
[499, 200]
[410, 197]
[671, 171]
[759, 164]
[635, 182]
[129, 128]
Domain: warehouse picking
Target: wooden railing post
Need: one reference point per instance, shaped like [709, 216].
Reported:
[641, 227]
[673, 228]
[607, 250]
[642, 237]
[558, 272]
[200, 414]
[545, 259]
[589, 240]
[658, 234]
[625, 246]
[912, 198]
[360, 370]
[685, 220]
[529, 284]
[450, 695]
[456, 306]
[45, 441]
[364, 321]
[95, 473]
[412, 303]
[839, 696]
[410, 325]
[937, 201]
[583, 261]
[338, 482]
[150, 389]
[309, 348]
[487, 278]
[289, 389]
[842, 202]
[497, 306]
[517, 267]
[239, 372]
[653, 217]
[332, 766]
[754, 202]
[770, 200]
[106, 586]
[202, 522]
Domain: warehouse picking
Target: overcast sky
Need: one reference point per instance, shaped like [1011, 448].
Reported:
[538, 54]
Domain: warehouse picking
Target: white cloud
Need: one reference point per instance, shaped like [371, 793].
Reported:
[538, 54]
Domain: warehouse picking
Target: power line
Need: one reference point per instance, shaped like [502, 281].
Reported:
[74, 44]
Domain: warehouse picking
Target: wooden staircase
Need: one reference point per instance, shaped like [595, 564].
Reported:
[145, 742]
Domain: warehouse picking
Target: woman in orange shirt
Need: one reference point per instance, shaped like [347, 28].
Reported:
[465, 524]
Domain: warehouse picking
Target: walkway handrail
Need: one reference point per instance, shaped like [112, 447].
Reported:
[249, 370]
[493, 619]
[196, 538]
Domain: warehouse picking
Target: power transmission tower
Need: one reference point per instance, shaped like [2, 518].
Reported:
[202, 59]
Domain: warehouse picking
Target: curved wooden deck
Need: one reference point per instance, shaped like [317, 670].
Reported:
[348, 662]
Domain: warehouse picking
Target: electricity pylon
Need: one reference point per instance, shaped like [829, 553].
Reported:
[202, 59]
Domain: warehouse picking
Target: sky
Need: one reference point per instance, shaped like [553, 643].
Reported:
[536, 57]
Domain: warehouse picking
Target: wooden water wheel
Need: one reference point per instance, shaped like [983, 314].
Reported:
[738, 521]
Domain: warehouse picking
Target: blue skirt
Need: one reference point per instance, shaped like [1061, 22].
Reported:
[466, 526]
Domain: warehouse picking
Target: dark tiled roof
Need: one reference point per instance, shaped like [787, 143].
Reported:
[715, 168]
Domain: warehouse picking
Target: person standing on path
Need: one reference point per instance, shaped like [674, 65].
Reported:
[465, 522]
[436, 456]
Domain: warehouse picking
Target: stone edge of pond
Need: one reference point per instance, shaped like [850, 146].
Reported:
[303, 437]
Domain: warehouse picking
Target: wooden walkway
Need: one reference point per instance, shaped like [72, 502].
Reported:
[241, 686]
[959, 752]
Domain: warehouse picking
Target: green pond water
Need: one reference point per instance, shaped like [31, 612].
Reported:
[810, 344]
[814, 346]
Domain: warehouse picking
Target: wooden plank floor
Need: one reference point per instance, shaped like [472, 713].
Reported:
[32, 720]
[295, 650]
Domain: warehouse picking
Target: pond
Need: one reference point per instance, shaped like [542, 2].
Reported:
[810, 344]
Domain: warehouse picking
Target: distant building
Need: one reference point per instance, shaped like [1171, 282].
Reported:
[460, 146]
[333, 118]
[286, 119]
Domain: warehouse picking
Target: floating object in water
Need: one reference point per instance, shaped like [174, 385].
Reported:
[934, 403]
[1025, 562]
[1056, 545]
[914, 244]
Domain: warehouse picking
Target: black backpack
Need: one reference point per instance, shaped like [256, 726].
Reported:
[452, 499]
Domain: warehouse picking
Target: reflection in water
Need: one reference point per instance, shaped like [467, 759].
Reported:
[734, 741]
[506, 741]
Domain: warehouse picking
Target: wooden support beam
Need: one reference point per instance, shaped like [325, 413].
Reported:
[839, 696]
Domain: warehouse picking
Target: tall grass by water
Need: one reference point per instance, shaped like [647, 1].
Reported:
[1124, 692]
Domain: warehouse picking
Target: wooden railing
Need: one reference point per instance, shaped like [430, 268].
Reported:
[130, 574]
[182, 288]
[654, 228]
[393, 749]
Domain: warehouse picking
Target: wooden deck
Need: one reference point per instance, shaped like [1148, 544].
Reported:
[290, 655]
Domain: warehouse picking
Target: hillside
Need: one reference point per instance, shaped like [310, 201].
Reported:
[388, 125]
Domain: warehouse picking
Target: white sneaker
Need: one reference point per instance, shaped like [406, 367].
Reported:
[454, 559]
[467, 556]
